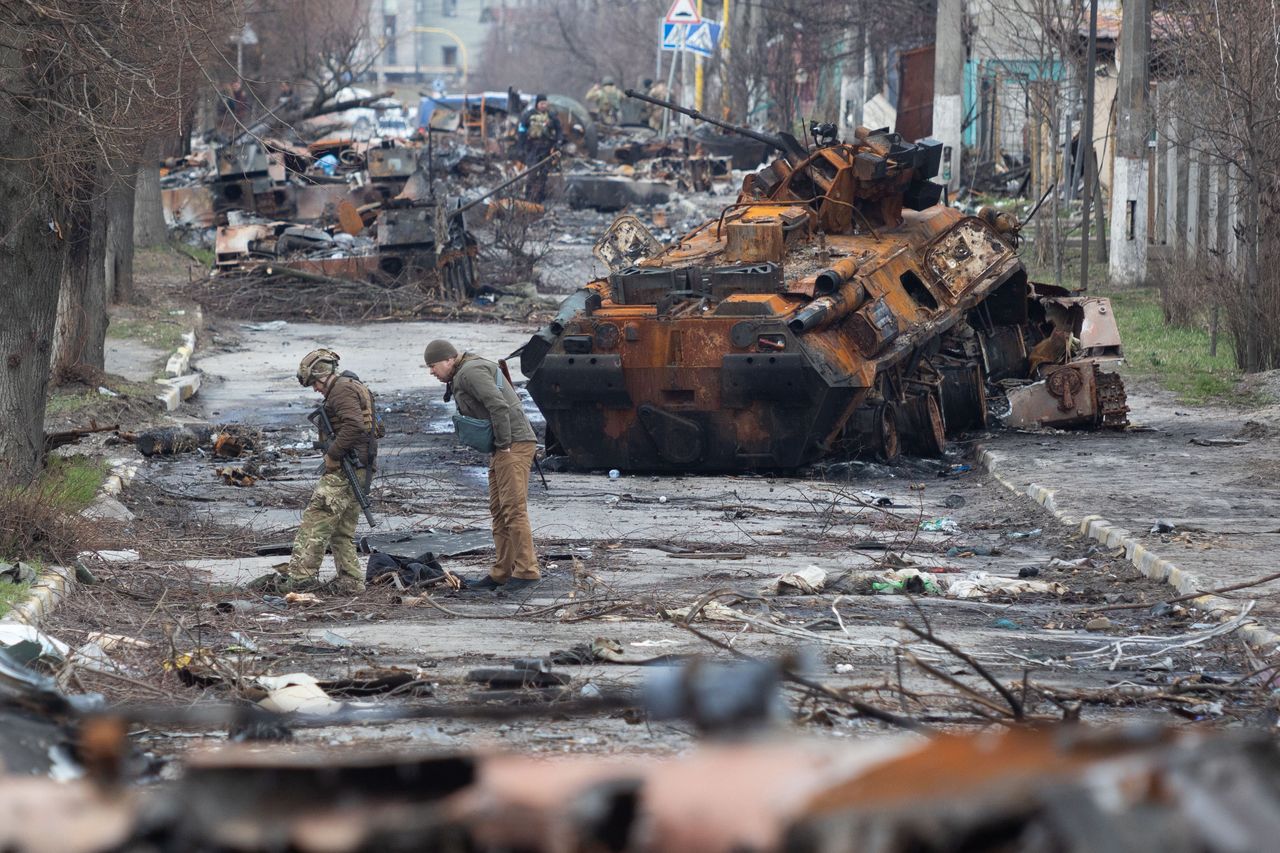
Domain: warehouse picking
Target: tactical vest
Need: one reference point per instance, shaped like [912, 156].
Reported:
[539, 125]
[372, 421]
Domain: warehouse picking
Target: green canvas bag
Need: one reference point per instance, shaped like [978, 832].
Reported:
[476, 433]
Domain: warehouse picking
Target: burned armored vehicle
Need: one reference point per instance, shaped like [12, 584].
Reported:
[836, 308]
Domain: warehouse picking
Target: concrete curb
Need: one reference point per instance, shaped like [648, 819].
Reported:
[50, 588]
[1143, 559]
[174, 392]
[55, 582]
[181, 358]
[180, 386]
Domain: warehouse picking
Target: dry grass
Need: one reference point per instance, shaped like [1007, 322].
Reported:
[36, 525]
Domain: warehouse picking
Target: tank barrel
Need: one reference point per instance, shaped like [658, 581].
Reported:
[783, 144]
[831, 280]
[827, 309]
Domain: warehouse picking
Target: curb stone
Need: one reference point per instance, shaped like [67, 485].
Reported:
[1143, 559]
[179, 386]
[55, 582]
[50, 587]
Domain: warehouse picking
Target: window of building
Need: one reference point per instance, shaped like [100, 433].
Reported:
[486, 15]
[449, 55]
[389, 39]
[420, 10]
[449, 8]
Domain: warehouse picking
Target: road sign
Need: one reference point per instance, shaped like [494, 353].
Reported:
[671, 35]
[700, 38]
[683, 12]
[703, 38]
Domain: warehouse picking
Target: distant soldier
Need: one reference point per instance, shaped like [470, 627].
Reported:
[652, 112]
[329, 520]
[537, 135]
[604, 100]
[483, 392]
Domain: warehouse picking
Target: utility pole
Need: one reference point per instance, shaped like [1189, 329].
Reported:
[697, 73]
[851, 85]
[1085, 151]
[1129, 184]
[948, 77]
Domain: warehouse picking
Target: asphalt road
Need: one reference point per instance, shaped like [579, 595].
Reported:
[611, 574]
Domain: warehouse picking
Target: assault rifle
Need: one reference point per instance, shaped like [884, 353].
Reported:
[320, 418]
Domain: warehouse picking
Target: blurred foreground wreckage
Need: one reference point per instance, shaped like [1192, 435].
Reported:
[1069, 789]
[835, 308]
[67, 771]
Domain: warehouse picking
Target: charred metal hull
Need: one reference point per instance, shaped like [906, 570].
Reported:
[834, 309]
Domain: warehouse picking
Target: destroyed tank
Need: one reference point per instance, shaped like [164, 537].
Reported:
[835, 308]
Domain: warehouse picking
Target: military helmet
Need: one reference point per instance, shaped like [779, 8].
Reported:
[608, 81]
[315, 365]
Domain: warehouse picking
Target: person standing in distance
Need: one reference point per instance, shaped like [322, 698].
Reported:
[481, 391]
[538, 135]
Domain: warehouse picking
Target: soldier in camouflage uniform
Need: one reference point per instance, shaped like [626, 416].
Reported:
[329, 520]
[653, 113]
[604, 101]
[539, 134]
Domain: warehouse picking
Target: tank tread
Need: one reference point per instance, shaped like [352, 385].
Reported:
[1112, 400]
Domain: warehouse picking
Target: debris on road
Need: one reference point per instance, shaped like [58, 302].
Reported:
[296, 692]
[940, 525]
[807, 581]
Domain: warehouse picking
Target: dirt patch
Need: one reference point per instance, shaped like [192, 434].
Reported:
[79, 405]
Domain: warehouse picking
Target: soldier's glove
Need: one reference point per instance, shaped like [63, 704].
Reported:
[331, 465]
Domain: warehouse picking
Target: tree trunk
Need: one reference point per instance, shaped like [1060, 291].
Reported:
[80, 339]
[149, 228]
[119, 256]
[30, 267]
[1251, 360]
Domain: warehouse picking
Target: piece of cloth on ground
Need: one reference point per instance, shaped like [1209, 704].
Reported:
[411, 571]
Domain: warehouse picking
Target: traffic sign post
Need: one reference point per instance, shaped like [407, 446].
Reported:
[683, 12]
[703, 37]
[700, 38]
[671, 35]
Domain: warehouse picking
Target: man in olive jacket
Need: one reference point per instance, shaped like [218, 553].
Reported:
[481, 391]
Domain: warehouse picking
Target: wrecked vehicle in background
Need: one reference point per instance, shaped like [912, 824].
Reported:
[835, 308]
[488, 119]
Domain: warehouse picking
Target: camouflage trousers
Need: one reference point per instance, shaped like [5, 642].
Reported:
[328, 521]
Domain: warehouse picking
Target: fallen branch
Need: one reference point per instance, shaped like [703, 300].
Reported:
[930, 637]
[1192, 595]
[962, 687]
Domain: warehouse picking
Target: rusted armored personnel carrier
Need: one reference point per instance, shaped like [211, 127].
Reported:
[835, 308]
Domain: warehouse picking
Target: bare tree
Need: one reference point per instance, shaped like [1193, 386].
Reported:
[81, 85]
[781, 62]
[566, 45]
[316, 48]
[1041, 65]
[1227, 105]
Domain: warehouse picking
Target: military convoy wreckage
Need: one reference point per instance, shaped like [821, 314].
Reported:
[836, 308]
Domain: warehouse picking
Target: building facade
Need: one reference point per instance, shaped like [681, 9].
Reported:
[429, 43]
